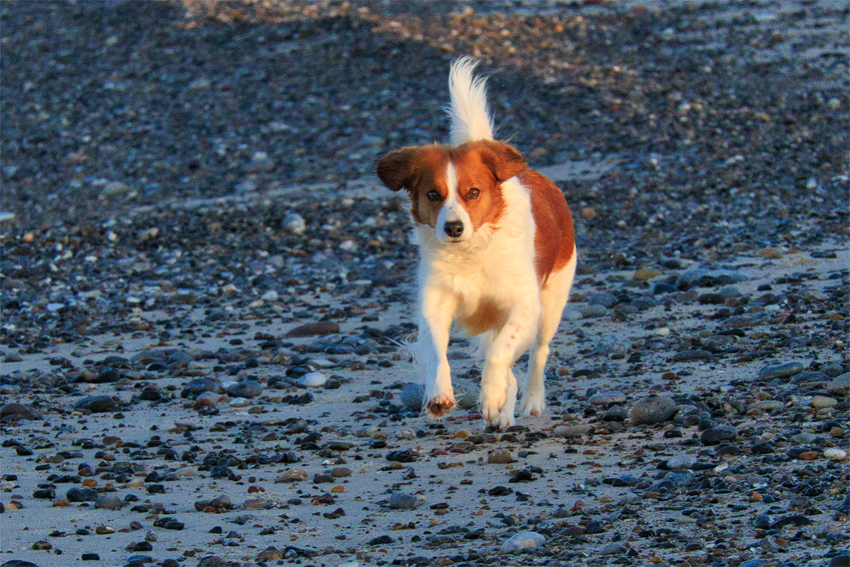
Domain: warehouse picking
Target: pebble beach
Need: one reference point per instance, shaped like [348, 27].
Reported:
[207, 295]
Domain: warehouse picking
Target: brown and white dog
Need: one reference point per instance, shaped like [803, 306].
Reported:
[497, 253]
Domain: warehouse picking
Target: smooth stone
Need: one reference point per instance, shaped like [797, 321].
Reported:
[681, 462]
[312, 380]
[646, 274]
[605, 298]
[571, 431]
[466, 400]
[294, 223]
[500, 457]
[662, 288]
[840, 385]
[607, 397]
[691, 355]
[16, 412]
[108, 502]
[780, 370]
[804, 438]
[718, 434]
[412, 396]
[523, 540]
[402, 501]
[592, 310]
[616, 413]
[256, 504]
[96, 404]
[207, 399]
[571, 314]
[245, 389]
[704, 277]
[81, 494]
[767, 405]
[650, 411]
[199, 386]
[613, 346]
[821, 402]
[842, 560]
[835, 454]
[293, 475]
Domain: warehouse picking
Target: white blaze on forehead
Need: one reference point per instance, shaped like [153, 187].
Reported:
[451, 204]
[453, 210]
[451, 183]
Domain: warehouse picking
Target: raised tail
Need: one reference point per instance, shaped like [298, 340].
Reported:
[468, 110]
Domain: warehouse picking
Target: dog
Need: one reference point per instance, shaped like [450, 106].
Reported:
[497, 252]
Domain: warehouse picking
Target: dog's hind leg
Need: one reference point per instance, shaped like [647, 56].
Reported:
[553, 298]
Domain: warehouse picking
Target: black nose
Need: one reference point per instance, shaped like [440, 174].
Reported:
[453, 228]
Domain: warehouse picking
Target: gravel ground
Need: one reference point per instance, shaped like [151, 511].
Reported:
[205, 291]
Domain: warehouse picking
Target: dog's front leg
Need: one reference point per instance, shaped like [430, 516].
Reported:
[438, 310]
[498, 385]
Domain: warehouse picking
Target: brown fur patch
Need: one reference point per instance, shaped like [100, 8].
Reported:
[486, 317]
[554, 240]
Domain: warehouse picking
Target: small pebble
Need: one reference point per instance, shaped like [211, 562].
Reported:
[412, 396]
[245, 389]
[500, 457]
[293, 475]
[108, 502]
[402, 501]
[786, 370]
[718, 434]
[840, 385]
[96, 404]
[607, 397]
[681, 462]
[571, 431]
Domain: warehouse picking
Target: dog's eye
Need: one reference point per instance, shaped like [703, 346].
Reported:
[473, 194]
[433, 196]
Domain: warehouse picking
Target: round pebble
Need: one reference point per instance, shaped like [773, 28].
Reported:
[108, 502]
[607, 397]
[840, 385]
[412, 396]
[571, 431]
[650, 411]
[718, 434]
[245, 389]
[312, 380]
[402, 501]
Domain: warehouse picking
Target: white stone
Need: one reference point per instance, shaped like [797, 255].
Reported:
[270, 295]
[835, 454]
[312, 380]
[294, 223]
[523, 540]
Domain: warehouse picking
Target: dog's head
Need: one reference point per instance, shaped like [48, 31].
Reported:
[455, 190]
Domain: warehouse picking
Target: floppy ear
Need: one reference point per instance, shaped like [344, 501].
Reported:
[396, 169]
[503, 160]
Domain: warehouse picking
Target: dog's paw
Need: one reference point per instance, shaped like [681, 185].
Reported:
[493, 410]
[533, 404]
[506, 419]
[439, 405]
[533, 407]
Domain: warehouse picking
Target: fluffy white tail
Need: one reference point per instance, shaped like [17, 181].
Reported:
[468, 110]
